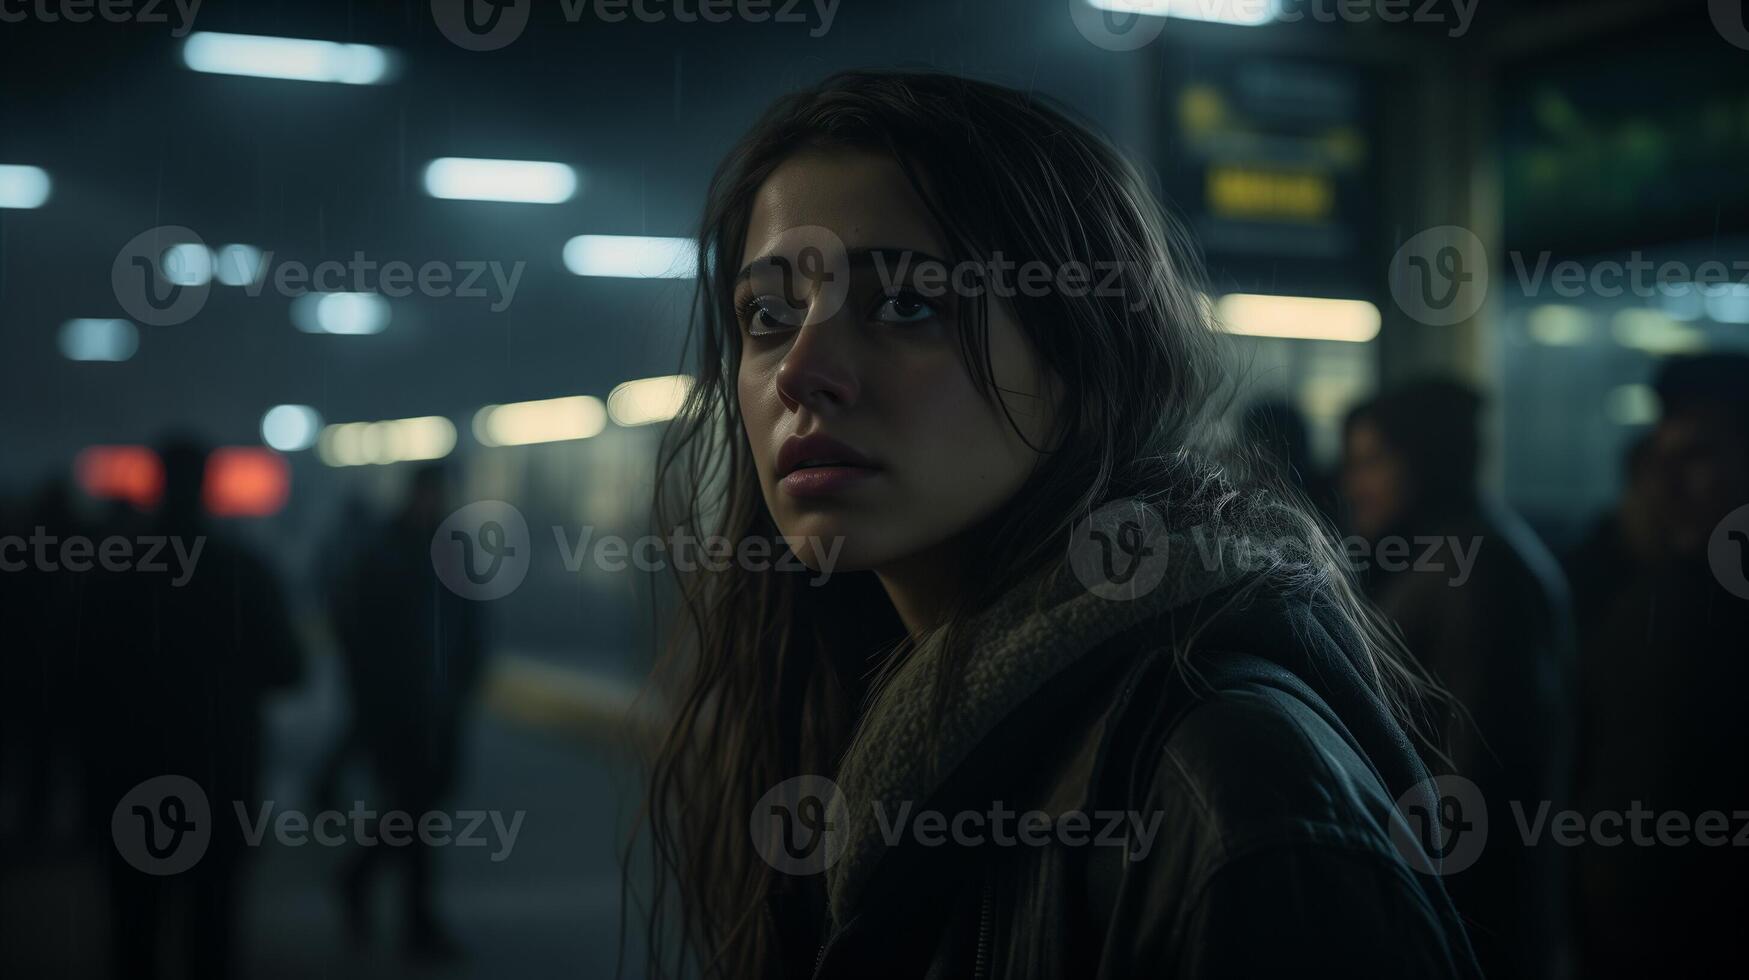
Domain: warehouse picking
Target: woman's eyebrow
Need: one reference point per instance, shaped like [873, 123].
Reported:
[865, 255]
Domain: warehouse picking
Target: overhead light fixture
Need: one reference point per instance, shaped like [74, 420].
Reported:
[648, 400]
[382, 443]
[237, 265]
[1682, 301]
[516, 181]
[298, 59]
[1558, 325]
[547, 420]
[1655, 332]
[1728, 302]
[290, 428]
[340, 313]
[1298, 317]
[632, 257]
[23, 186]
[1240, 13]
[187, 264]
[99, 339]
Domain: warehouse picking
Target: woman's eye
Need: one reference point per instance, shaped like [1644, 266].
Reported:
[768, 315]
[905, 307]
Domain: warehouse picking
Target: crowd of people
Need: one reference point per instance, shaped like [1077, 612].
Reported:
[120, 675]
[1604, 683]
[1607, 681]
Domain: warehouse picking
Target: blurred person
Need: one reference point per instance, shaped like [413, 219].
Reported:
[1613, 553]
[414, 652]
[940, 452]
[342, 547]
[38, 743]
[1484, 607]
[1278, 429]
[177, 665]
[1663, 670]
[16, 673]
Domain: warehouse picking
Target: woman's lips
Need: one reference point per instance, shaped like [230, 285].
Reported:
[822, 481]
[818, 465]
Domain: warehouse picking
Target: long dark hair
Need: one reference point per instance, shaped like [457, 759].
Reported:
[762, 674]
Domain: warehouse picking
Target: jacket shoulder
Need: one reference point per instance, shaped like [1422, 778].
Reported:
[1273, 851]
[1255, 766]
[1245, 753]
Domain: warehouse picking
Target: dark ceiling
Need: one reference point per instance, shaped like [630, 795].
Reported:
[318, 172]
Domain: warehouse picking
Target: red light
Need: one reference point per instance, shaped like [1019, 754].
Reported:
[245, 481]
[130, 473]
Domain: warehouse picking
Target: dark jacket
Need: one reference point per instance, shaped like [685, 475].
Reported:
[1499, 636]
[1267, 766]
[1664, 669]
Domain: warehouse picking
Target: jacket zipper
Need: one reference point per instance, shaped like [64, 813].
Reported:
[982, 967]
[819, 958]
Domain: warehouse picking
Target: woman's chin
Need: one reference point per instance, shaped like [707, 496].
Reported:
[837, 545]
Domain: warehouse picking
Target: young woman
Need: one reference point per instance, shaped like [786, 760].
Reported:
[1070, 697]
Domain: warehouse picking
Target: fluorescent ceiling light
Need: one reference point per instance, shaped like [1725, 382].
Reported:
[518, 181]
[382, 443]
[289, 428]
[547, 420]
[23, 186]
[1241, 13]
[1683, 301]
[340, 313]
[648, 400]
[237, 265]
[1298, 317]
[1728, 302]
[187, 264]
[99, 340]
[293, 58]
[1655, 332]
[1559, 325]
[632, 257]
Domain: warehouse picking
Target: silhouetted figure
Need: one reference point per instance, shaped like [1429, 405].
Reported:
[342, 548]
[184, 646]
[414, 651]
[1613, 553]
[1664, 669]
[1484, 607]
[1279, 431]
[39, 600]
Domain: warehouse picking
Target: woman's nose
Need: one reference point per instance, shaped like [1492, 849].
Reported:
[820, 371]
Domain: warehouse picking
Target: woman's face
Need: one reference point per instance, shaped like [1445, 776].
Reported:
[872, 442]
[1374, 480]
